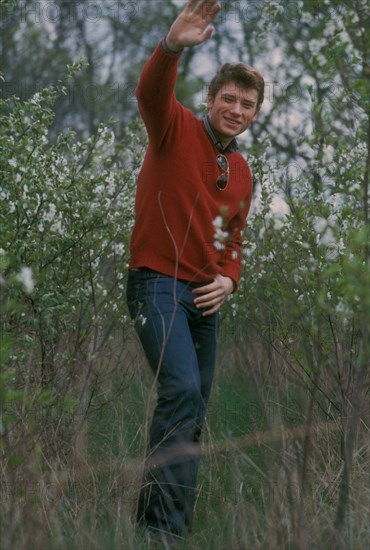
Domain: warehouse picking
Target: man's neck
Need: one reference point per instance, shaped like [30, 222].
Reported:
[224, 146]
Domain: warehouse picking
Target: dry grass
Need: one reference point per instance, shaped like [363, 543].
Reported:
[269, 477]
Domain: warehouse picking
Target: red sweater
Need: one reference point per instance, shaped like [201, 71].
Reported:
[177, 200]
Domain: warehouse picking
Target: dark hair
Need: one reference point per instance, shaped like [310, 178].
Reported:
[243, 75]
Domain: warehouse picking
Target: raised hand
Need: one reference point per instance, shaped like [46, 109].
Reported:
[192, 26]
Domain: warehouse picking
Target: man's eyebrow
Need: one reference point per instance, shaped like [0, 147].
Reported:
[233, 94]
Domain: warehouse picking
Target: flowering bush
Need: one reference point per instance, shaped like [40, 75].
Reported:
[66, 210]
[304, 296]
[305, 261]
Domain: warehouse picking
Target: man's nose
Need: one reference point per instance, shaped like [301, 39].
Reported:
[236, 108]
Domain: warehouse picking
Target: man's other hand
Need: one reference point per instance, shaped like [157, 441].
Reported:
[213, 295]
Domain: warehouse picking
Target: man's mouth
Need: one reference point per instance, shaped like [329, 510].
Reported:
[232, 121]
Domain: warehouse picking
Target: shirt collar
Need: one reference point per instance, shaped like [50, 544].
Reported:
[231, 148]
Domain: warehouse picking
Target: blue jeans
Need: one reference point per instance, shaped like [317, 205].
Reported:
[180, 346]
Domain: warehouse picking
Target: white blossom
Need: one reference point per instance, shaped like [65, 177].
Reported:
[26, 278]
[330, 29]
[278, 224]
[220, 236]
[50, 215]
[57, 227]
[99, 189]
[218, 245]
[278, 206]
[218, 222]
[316, 45]
[321, 59]
[119, 249]
[320, 224]
[306, 17]
[344, 37]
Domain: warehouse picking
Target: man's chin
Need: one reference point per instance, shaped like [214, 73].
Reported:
[230, 134]
[230, 130]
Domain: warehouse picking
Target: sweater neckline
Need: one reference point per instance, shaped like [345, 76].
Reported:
[231, 148]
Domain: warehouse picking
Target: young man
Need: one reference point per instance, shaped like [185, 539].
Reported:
[193, 195]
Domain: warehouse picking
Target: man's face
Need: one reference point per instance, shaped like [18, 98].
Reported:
[232, 110]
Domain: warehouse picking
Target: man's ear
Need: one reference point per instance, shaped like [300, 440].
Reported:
[256, 114]
[210, 101]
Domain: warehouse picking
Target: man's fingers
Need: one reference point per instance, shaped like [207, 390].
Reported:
[208, 9]
[207, 6]
[208, 33]
[211, 310]
[208, 294]
[209, 300]
[189, 5]
[206, 288]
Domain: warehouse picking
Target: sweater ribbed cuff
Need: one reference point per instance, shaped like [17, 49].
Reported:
[168, 50]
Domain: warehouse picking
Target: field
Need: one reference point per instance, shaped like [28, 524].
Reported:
[286, 445]
[270, 474]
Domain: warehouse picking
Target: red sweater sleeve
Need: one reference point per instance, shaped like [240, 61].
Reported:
[157, 103]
